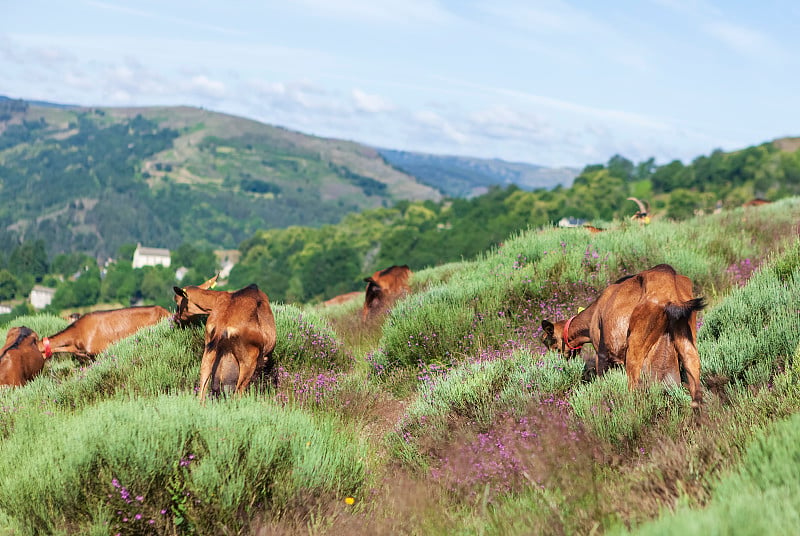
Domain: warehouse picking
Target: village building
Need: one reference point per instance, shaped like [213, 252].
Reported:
[41, 296]
[144, 256]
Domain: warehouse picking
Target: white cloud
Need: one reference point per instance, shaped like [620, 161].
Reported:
[369, 103]
[439, 126]
[205, 86]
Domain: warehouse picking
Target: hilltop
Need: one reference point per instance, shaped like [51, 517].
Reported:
[92, 179]
[459, 176]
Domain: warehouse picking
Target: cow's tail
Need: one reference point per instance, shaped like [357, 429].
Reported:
[677, 312]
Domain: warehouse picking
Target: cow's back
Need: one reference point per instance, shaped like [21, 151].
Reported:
[384, 287]
[609, 328]
[100, 329]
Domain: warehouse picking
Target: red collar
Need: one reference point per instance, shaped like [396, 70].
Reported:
[565, 337]
[48, 352]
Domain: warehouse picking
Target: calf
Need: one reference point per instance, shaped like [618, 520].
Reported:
[646, 322]
[20, 358]
[93, 332]
[384, 287]
[240, 334]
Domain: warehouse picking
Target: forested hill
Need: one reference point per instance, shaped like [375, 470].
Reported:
[459, 176]
[91, 180]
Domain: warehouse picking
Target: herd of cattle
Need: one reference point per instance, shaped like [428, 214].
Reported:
[645, 322]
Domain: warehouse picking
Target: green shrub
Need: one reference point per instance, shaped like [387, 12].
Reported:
[306, 339]
[762, 497]
[750, 335]
[618, 415]
[168, 459]
[477, 392]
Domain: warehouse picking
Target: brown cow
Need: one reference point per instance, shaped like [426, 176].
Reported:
[20, 358]
[593, 229]
[342, 298]
[645, 321]
[240, 334]
[93, 332]
[384, 287]
[757, 202]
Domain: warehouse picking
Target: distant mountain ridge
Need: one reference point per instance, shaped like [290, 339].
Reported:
[90, 179]
[459, 176]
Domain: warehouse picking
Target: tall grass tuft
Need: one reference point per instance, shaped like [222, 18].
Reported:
[620, 416]
[750, 336]
[306, 339]
[157, 359]
[762, 497]
[166, 464]
[476, 392]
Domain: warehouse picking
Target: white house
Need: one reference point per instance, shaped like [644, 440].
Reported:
[143, 256]
[41, 296]
[570, 222]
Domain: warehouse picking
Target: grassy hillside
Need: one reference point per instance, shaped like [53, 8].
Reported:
[90, 180]
[447, 418]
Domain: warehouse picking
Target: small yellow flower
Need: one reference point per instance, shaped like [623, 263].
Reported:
[349, 500]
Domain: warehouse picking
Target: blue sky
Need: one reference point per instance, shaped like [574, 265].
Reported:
[545, 82]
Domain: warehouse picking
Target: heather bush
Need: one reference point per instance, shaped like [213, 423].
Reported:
[306, 339]
[435, 326]
[476, 392]
[761, 497]
[618, 415]
[165, 464]
[748, 337]
[157, 359]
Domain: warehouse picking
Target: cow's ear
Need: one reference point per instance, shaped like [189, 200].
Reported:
[369, 280]
[180, 292]
[210, 284]
[548, 327]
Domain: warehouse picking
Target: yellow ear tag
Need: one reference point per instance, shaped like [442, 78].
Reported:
[581, 309]
[214, 284]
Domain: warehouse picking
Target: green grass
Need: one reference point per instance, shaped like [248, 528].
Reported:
[446, 418]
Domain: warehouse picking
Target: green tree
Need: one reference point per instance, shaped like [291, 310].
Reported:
[157, 283]
[67, 264]
[620, 167]
[682, 204]
[9, 285]
[121, 283]
[202, 261]
[29, 258]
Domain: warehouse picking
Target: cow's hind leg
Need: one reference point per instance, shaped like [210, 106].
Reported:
[206, 367]
[648, 323]
[248, 361]
[689, 357]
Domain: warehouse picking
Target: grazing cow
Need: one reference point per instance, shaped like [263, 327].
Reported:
[240, 334]
[757, 202]
[342, 298]
[593, 229]
[384, 287]
[647, 321]
[643, 214]
[93, 332]
[20, 357]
